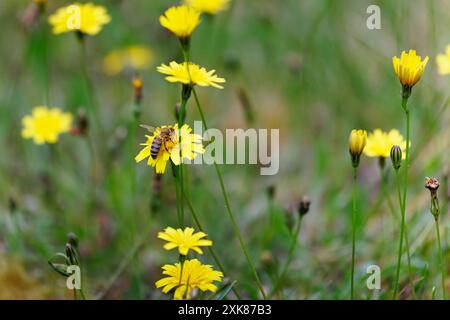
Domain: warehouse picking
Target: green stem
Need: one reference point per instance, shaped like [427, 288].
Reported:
[405, 189]
[441, 259]
[210, 249]
[355, 188]
[291, 251]
[228, 207]
[405, 230]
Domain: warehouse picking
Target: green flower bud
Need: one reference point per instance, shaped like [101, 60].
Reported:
[396, 157]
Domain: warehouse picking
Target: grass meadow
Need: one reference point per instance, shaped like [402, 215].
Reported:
[312, 69]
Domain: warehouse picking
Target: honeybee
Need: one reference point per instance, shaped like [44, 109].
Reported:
[165, 135]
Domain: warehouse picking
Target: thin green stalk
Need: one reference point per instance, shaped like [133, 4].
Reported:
[291, 251]
[405, 230]
[210, 249]
[405, 189]
[441, 259]
[228, 207]
[355, 188]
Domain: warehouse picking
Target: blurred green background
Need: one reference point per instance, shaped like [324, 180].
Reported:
[310, 68]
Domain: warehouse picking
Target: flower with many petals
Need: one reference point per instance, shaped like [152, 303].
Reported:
[380, 143]
[180, 20]
[208, 6]
[45, 125]
[193, 275]
[167, 146]
[184, 240]
[84, 18]
[196, 75]
[409, 67]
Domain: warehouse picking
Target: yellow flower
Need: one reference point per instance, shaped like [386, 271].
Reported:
[379, 143]
[191, 146]
[208, 6]
[133, 57]
[45, 125]
[180, 20]
[178, 72]
[193, 275]
[185, 240]
[85, 18]
[443, 62]
[356, 142]
[409, 68]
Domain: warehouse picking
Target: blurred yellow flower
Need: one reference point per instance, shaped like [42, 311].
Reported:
[45, 125]
[379, 143]
[178, 72]
[185, 240]
[193, 275]
[85, 18]
[132, 57]
[163, 145]
[208, 6]
[409, 68]
[180, 20]
[443, 62]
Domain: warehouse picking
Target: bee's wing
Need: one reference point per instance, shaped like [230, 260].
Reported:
[149, 128]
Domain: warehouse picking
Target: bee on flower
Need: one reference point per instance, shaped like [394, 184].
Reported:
[194, 75]
[45, 125]
[193, 275]
[184, 240]
[208, 6]
[164, 145]
[86, 19]
[134, 58]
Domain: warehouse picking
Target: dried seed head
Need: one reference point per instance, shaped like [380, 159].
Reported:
[396, 157]
[432, 184]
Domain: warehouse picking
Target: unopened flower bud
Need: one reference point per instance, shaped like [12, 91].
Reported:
[73, 239]
[303, 206]
[396, 157]
[357, 141]
[81, 124]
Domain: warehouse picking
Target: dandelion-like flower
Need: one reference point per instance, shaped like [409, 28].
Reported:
[380, 143]
[443, 62]
[356, 143]
[84, 18]
[45, 125]
[193, 275]
[196, 75]
[167, 146]
[409, 67]
[184, 240]
[132, 57]
[208, 6]
[180, 20]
